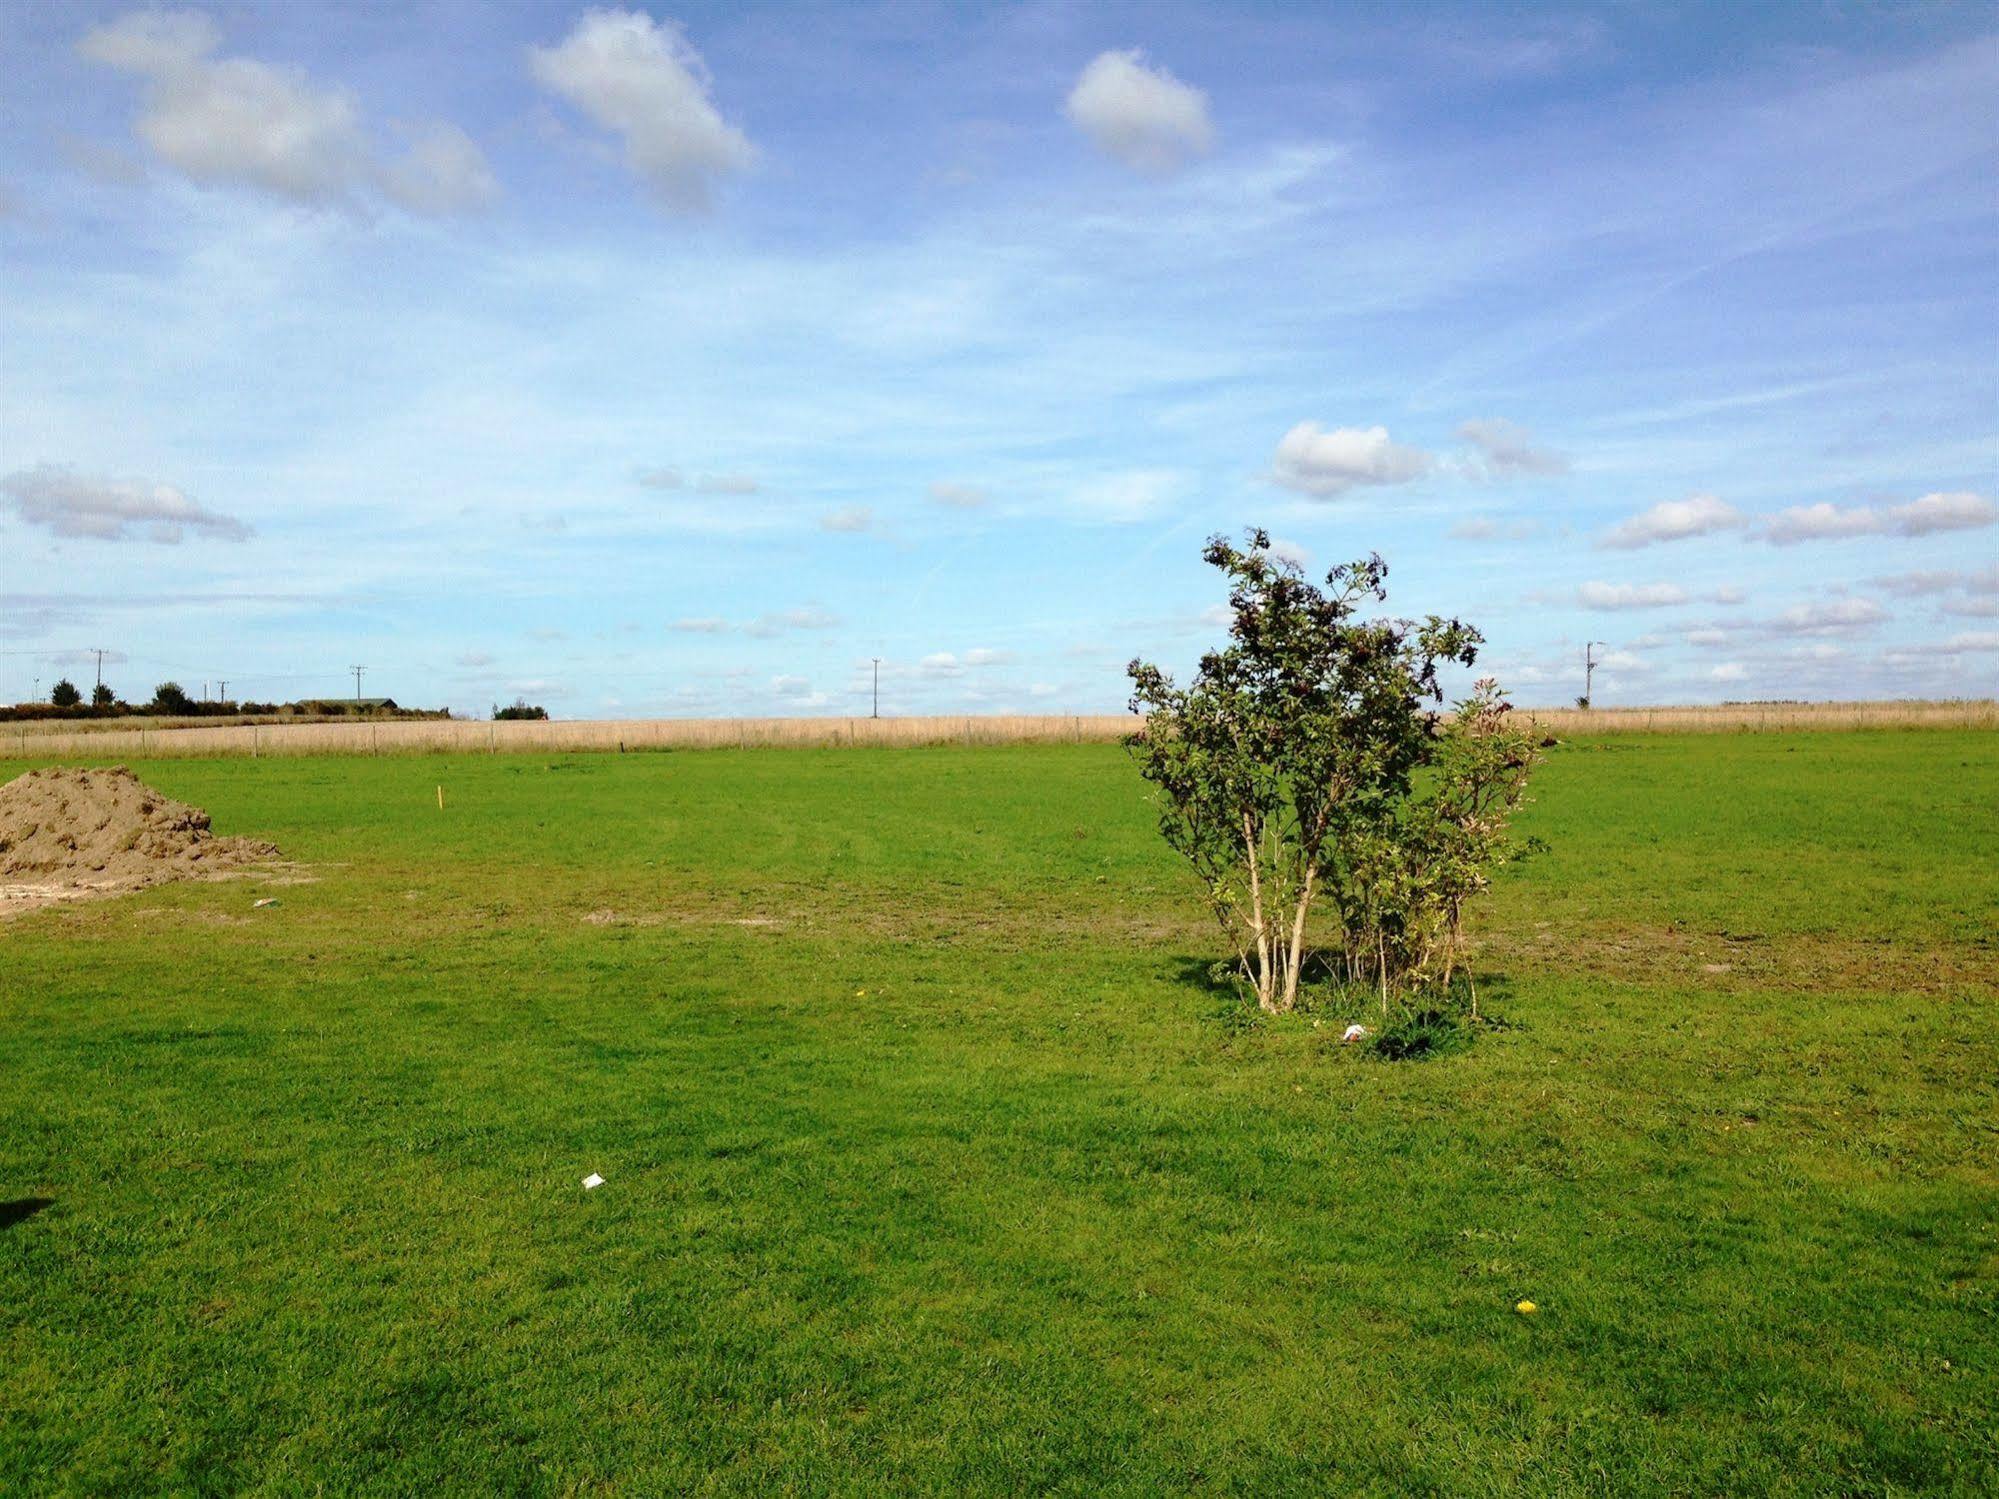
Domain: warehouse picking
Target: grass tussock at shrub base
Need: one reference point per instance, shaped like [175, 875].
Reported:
[1421, 1025]
[1422, 1034]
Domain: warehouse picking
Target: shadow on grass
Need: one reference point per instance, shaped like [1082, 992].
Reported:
[1205, 975]
[1232, 1004]
[21, 1209]
[1422, 1025]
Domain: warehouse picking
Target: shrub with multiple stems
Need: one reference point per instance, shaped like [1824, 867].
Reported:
[1307, 770]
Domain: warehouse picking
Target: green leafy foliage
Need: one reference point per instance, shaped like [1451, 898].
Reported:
[168, 697]
[65, 694]
[1307, 768]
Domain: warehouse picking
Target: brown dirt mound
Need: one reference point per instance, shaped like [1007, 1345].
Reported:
[66, 834]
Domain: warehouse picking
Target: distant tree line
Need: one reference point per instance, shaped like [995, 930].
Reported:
[170, 700]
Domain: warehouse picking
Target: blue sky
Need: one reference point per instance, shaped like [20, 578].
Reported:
[682, 361]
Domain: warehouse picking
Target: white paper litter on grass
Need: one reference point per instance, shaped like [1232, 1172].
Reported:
[592, 1180]
[269, 900]
[1353, 1034]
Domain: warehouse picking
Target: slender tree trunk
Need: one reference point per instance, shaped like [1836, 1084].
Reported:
[1298, 941]
[1458, 942]
[1266, 987]
[1381, 954]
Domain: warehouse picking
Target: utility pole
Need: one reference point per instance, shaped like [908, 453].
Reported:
[222, 692]
[1589, 669]
[357, 670]
[100, 664]
[878, 688]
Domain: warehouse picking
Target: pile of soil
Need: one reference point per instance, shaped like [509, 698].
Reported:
[66, 834]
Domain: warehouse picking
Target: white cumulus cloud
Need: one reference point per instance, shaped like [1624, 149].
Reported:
[66, 503]
[848, 518]
[956, 496]
[1485, 528]
[1140, 114]
[1506, 450]
[806, 617]
[1831, 617]
[1630, 595]
[673, 478]
[1290, 552]
[1821, 522]
[1919, 584]
[1957, 510]
[235, 120]
[1674, 520]
[641, 80]
[442, 173]
[1327, 463]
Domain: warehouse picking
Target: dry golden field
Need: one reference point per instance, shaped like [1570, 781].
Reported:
[1730, 718]
[149, 740]
[461, 736]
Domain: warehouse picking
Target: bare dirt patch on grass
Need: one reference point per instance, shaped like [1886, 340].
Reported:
[1671, 957]
[70, 835]
[1687, 957]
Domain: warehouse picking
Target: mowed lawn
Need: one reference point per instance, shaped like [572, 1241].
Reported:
[934, 1164]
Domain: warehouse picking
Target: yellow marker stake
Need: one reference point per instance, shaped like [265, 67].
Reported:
[440, 798]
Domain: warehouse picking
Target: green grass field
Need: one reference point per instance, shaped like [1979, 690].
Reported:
[934, 1164]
